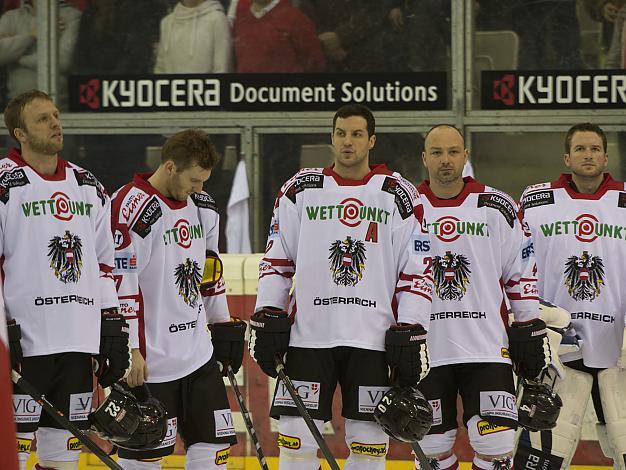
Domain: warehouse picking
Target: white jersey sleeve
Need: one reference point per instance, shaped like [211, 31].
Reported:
[214, 298]
[278, 266]
[130, 255]
[519, 271]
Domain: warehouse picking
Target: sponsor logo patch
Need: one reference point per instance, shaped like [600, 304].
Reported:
[437, 414]
[421, 244]
[502, 204]
[504, 352]
[288, 442]
[26, 409]
[373, 450]
[24, 445]
[539, 198]
[224, 424]
[498, 403]
[369, 398]
[221, 456]
[74, 444]
[485, 427]
[170, 436]
[308, 391]
[80, 406]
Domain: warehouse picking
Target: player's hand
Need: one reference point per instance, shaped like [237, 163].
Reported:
[529, 348]
[138, 370]
[228, 342]
[113, 361]
[406, 353]
[269, 337]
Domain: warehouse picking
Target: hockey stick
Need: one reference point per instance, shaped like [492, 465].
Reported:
[280, 369]
[246, 418]
[63, 421]
[421, 457]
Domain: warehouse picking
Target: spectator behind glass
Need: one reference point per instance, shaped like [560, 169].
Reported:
[421, 35]
[195, 38]
[350, 32]
[544, 25]
[118, 37]
[273, 36]
[18, 47]
[612, 15]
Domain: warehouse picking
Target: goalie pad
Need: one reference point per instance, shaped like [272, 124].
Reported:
[612, 384]
[534, 450]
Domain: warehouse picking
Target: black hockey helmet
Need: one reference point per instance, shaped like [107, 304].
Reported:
[130, 418]
[404, 414]
[539, 406]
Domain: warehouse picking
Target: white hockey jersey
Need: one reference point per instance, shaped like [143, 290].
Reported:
[160, 248]
[479, 253]
[580, 245]
[360, 256]
[57, 255]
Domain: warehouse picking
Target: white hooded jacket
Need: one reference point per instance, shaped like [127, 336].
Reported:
[195, 40]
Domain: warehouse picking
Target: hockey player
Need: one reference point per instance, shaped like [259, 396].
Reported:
[57, 251]
[578, 237]
[164, 228]
[352, 234]
[479, 253]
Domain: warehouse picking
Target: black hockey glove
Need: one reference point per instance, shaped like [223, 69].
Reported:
[15, 347]
[406, 353]
[113, 362]
[228, 341]
[269, 337]
[529, 348]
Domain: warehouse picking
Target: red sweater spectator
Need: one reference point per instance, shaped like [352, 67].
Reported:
[275, 38]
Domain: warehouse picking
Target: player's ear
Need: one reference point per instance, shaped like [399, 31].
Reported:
[170, 167]
[566, 159]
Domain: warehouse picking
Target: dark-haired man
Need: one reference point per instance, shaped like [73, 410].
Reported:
[352, 235]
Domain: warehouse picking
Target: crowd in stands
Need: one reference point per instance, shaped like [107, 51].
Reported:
[273, 36]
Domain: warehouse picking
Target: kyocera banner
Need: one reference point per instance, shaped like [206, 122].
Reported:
[589, 89]
[258, 92]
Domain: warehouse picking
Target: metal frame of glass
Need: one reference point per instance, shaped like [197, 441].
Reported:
[251, 125]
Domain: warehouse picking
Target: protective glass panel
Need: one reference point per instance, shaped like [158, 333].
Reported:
[510, 161]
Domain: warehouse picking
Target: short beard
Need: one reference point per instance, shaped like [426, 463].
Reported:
[45, 147]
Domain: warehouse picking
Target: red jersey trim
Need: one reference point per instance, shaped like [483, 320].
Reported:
[59, 173]
[471, 186]
[608, 183]
[141, 181]
[380, 169]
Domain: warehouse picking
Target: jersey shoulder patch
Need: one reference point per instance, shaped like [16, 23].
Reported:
[537, 198]
[404, 194]
[127, 201]
[307, 178]
[86, 178]
[11, 179]
[150, 213]
[204, 201]
[500, 201]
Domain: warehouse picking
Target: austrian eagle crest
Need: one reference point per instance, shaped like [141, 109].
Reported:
[66, 257]
[188, 276]
[347, 261]
[451, 275]
[584, 276]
